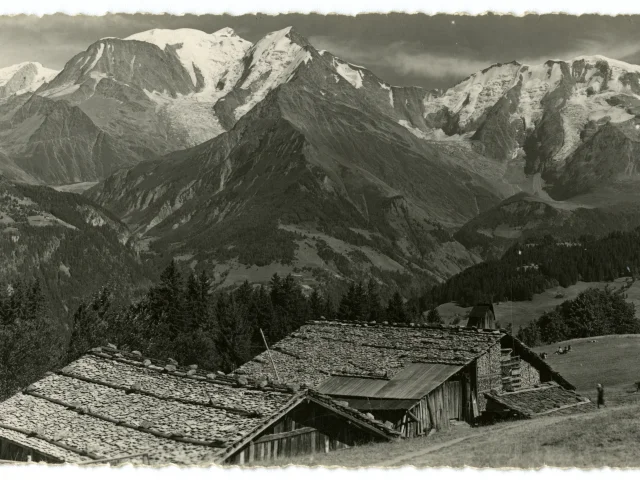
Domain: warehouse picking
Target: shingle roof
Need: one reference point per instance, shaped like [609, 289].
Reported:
[346, 386]
[544, 399]
[411, 383]
[110, 403]
[318, 349]
[417, 380]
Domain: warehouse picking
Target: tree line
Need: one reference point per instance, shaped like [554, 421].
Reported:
[592, 313]
[179, 317]
[540, 264]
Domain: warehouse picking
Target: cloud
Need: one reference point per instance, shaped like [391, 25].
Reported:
[413, 59]
[607, 47]
[404, 58]
[435, 66]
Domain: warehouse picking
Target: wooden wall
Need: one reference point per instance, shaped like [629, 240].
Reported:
[450, 401]
[18, 453]
[308, 429]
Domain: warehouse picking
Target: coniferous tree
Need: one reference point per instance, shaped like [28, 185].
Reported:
[233, 341]
[396, 312]
[30, 341]
[93, 322]
[374, 312]
[329, 309]
[316, 305]
[167, 305]
[433, 317]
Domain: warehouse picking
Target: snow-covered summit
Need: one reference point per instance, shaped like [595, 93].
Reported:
[24, 77]
[473, 96]
[593, 59]
[272, 61]
[211, 53]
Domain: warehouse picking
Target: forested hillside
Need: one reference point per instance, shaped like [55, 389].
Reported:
[65, 241]
[541, 263]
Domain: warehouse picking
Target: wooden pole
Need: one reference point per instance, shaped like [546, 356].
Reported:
[270, 357]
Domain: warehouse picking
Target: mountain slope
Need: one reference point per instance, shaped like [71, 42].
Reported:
[522, 216]
[72, 245]
[316, 176]
[55, 141]
[149, 94]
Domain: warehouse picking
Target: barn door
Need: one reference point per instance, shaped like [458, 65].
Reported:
[455, 400]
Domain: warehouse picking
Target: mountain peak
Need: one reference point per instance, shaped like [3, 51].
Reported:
[163, 36]
[593, 59]
[225, 32]
[210, 53]
[24, 77]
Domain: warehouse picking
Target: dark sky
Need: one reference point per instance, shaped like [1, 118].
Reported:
[430, 51]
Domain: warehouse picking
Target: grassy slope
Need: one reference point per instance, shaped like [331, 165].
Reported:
[606, 437]
[611, 360]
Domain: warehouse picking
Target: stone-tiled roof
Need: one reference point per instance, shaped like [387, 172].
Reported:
[544, 399]
[109, 404]
[318, 349]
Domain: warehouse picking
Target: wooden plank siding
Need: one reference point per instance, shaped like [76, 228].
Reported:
[18, 453]
[450, 401]
[308, 429]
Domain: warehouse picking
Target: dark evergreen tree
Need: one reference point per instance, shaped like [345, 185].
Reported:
[233, 341]
[396, 312]
[167, 304]
[433, 317]
[316, 305]
[30, 340]
[374, 310]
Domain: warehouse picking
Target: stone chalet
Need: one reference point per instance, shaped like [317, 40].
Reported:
[417, 378]
[111, 406]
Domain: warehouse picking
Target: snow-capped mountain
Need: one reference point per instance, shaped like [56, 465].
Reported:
[319, 173]
[23, 77]
[209, 56]
[163, 90]
[237, 150]
[541, 113]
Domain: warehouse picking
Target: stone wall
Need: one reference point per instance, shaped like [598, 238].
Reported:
[529, 375]
[488, 374]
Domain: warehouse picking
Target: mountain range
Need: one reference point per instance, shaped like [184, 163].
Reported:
[247, 159]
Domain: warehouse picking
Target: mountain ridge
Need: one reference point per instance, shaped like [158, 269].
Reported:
[202, 123]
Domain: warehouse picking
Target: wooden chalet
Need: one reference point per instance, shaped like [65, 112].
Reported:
[416, 378]
[110, 406]
[482, 315]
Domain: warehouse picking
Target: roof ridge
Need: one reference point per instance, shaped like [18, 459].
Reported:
[232, 382]
[139, 391]
[415, 326]
[535, 388]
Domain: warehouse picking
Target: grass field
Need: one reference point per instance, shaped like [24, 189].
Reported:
[521, 313]
[613, 361]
